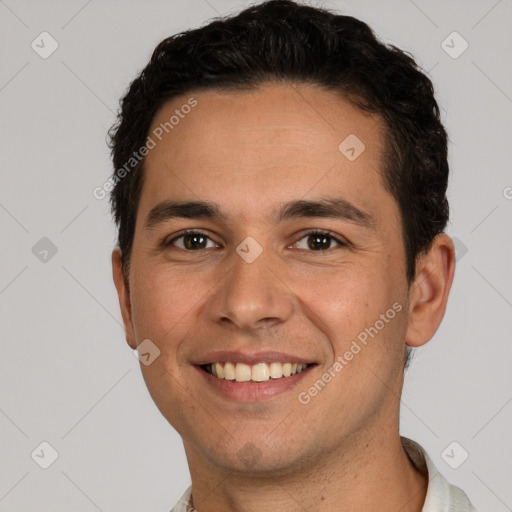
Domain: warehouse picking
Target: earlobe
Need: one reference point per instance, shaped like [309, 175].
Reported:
[123, 295]
[428, 294]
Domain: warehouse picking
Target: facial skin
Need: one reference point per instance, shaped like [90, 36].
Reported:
[249, 153]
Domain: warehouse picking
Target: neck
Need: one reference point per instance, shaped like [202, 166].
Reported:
[366, 473]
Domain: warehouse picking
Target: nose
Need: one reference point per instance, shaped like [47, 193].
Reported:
[252, 295]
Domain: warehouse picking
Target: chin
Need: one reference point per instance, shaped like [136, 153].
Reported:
[255, 458]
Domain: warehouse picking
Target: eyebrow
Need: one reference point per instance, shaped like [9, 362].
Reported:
[333, 208]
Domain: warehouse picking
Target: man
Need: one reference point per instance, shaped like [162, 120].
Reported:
[280, 193]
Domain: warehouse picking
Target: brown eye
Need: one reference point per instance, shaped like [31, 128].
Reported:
[191, 241]
[319, 241]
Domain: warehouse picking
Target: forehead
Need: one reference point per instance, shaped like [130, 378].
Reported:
[277, 142]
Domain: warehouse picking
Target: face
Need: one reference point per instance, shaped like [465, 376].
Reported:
[292, 262]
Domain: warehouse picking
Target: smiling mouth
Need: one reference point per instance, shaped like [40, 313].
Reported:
[260, 372]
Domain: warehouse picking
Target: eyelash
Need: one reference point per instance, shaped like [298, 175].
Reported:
[328, 234]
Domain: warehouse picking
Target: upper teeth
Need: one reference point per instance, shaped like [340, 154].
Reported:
[260, 372]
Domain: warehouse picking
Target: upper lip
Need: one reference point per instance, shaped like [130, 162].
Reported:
[268, 356]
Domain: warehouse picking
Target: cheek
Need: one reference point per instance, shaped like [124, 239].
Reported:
[163, 303]
[356, 304]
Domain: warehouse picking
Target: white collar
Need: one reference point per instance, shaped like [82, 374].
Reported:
[441, 496]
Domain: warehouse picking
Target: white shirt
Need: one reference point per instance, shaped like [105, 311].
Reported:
[441, 496]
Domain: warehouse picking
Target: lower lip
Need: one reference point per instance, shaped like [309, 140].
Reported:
[252, 391]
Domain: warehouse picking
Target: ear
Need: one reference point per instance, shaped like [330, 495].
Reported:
[428, 293]
[124, 296]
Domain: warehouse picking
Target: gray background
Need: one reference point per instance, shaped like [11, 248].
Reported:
[68, 377]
